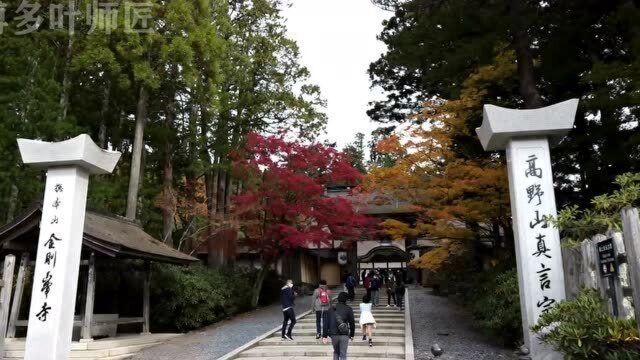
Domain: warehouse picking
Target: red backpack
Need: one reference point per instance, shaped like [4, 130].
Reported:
[324, 296]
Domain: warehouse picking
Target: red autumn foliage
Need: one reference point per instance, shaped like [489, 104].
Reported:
[282, 205]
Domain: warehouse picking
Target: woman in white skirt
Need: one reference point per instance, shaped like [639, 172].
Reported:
[367, 322]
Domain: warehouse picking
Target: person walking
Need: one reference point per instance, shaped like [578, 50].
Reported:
[400, 291]
[375, 289]
[367, 283]
[340, 326]
[320, 304]
[391, 290]
[350, 284]
[287, 299]
[367, 321]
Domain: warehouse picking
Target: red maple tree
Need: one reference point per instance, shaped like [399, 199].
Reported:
[283, 205]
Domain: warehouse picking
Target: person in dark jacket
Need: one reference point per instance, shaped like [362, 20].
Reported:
[374, 288]
[341, 327]
[400, 291]
[350, 284]
[287, 298]
[367, 283]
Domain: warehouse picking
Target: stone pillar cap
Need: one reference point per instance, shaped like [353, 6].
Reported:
[79, 151]
[499, 124]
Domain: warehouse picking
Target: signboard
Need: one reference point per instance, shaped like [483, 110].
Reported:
[607, 258]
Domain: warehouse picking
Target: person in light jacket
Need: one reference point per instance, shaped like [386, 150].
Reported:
[321, 301]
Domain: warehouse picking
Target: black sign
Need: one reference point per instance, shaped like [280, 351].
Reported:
[607, 257]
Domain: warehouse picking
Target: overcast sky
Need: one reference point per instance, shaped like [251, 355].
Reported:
[337, 40]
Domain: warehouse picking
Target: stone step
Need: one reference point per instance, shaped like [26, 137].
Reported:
[122, 352]
[380, 326]
[311, 340]
[364, 357]
[312, 332]
[107, 343]
[378, 352]
[379, 321]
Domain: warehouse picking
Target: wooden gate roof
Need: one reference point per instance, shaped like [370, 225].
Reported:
[110, 235]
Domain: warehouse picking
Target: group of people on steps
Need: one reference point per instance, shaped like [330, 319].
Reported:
[337, 322]
[392, 281]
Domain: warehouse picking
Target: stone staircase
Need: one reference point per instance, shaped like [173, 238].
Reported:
[118, 348]
[388, 338]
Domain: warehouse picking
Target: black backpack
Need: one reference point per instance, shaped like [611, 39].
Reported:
[341, 325]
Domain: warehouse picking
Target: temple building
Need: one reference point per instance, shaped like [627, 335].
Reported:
[111, 246]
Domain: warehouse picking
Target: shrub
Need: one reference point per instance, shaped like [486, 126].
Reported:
[185, 298]
[581, 329]
[495, 304]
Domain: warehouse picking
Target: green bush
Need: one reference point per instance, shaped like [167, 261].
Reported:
[185, 298]
[581, 329]
[495, 304]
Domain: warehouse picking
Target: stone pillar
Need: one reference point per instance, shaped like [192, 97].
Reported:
[55, 279]
[525, 135]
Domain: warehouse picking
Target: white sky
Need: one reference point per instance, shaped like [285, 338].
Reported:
[337, 40]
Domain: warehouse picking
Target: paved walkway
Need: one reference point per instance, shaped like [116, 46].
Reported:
[216, 340]
[438, 320]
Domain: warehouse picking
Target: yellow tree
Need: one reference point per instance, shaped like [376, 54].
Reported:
[440, 167]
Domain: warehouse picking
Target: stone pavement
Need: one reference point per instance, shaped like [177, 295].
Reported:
[388, 339]
[218, 339]
[438, 320]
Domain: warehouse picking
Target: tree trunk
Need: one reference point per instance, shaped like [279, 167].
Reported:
[212, 252]
[231, 233]
[217, 251]
[136, 156]
[257, 286]
[522, 46]
[210, 181]
[13, 203]
[66, 82]
[104, 110]
[168, 206]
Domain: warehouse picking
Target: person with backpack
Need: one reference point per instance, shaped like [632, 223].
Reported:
[375, 289]
[320, 305]
[340, 326]
[350, 284]
[287, 299]
[367, 321]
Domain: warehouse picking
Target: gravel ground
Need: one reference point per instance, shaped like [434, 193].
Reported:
[218, 339]
[438, 320]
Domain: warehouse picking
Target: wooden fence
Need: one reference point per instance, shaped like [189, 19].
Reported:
[583, 267]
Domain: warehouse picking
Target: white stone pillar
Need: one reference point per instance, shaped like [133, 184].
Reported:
[525, 135]
[55, 278]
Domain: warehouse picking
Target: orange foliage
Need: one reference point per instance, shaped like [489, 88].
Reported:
[462, 198]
